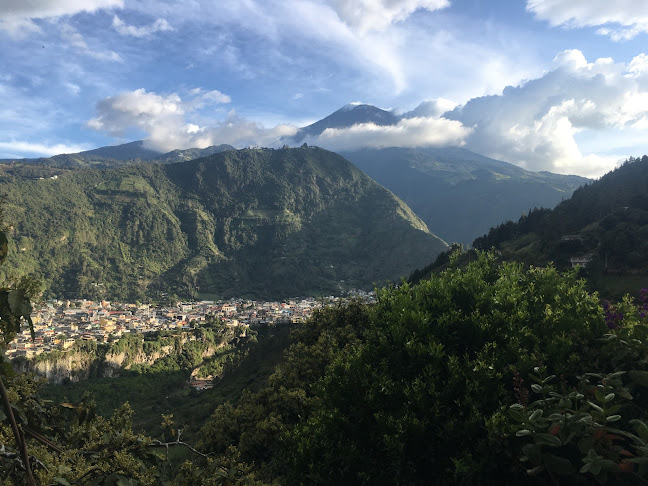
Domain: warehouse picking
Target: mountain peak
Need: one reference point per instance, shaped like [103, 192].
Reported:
[348, 116]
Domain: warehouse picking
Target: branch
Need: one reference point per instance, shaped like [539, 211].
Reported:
[159, 443]
[20, 440]
[43, 440]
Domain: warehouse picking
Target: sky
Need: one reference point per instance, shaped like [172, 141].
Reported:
[557, 85]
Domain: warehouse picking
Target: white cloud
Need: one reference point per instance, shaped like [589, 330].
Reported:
[325, 43]
[16, 16]
[73, 89]
[27, 149]
[409, 132]
[213, 96]
[160, 25]
[74, 38]
[638, 66]
[137, 109]
[621, 19]
[168, 121]
[537, 125]
[367, 15]
[431, 108]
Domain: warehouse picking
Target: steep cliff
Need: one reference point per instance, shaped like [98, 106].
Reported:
[156, 352]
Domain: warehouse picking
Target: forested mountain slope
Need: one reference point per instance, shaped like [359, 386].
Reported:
[253, 222]
[460, 194]
[605, 221]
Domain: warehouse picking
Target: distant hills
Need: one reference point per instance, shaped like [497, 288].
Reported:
[117, 155]
[460, 194]
[252, 222]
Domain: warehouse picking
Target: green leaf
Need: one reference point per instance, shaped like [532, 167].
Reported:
[547, 439]
[517, 416]
[595, 407]
[638, 460]
[536, 388]
[535, 471]
[522, 433]
[535, 415]
[613, 418]
[16, 300]
[624, 393]
[642, 430]
[565, 403]
[532, 451]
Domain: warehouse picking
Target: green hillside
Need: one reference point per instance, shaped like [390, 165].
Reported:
[605, 222]
[254, 222]
[460, 194]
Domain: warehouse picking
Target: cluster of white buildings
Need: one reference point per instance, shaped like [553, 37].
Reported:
[58, 324]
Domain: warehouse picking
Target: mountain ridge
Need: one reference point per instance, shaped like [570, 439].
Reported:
[460, 194]
[256, 222]
[123, 154]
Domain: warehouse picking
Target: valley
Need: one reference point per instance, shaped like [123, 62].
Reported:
[323, 242]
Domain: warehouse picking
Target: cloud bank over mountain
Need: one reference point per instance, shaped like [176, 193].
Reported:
[170, 122]
[409, 132]
[540, 124]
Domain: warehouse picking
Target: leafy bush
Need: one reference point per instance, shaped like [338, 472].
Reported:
[415, 402]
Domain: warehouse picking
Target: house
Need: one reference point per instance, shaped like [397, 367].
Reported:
[580, 260]
[201, 384]
[572, 238]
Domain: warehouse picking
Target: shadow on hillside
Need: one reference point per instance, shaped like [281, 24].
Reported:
[168, 392]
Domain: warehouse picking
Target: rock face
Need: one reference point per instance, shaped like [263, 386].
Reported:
[80, 364]
[74, 366]
[123, 360]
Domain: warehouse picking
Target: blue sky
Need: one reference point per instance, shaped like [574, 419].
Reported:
[559, 85]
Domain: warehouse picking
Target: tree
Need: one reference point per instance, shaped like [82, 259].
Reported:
[414, 403]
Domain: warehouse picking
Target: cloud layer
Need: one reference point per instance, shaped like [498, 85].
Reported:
[17, 16]
[539, 124]
[542, 124]
[409, 132]
[170, 122]
[621, 19]
[366, 15]
[160, 25]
